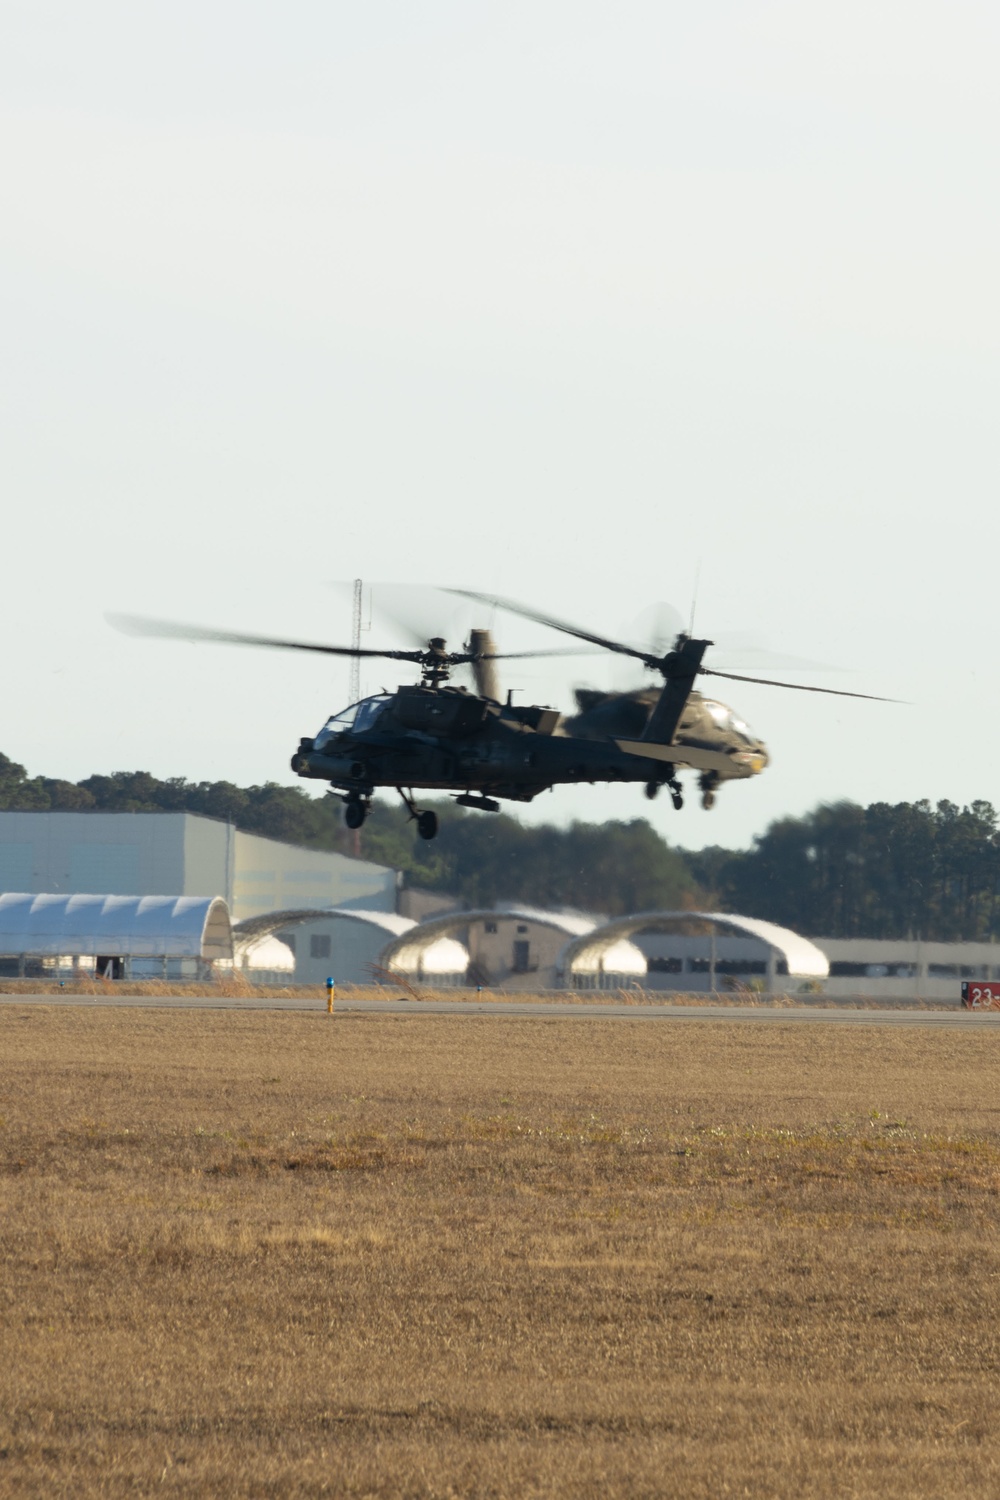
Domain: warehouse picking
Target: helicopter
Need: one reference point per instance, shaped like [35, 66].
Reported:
[436, 735]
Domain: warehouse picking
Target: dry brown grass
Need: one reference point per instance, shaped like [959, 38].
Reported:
[230, 986]
[263, 1255]
[238, 987]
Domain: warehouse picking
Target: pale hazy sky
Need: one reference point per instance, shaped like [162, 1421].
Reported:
[553, 299]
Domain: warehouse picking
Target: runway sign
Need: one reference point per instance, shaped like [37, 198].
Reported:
[980, 996]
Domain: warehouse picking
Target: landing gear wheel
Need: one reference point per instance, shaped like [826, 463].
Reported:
[427, 824]
[708, 781]
[355, 813]
[677, 798]
[652, 787]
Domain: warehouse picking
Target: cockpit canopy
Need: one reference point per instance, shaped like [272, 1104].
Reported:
[724, 717]
[356, 719]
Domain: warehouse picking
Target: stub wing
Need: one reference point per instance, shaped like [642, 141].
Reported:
[742, 763]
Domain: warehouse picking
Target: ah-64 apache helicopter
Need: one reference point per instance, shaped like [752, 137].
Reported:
[434, 735]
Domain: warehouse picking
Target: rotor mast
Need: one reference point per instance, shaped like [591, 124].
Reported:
[435, 663]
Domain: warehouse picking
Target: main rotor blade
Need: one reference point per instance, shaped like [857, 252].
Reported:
[555, 624]
[520, 655]
[656, 628]
[168, 629]
[799, 687]
[417, 611]
[172, 630]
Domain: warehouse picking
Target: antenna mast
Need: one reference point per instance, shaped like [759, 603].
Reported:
[355, 686]
[694, 596]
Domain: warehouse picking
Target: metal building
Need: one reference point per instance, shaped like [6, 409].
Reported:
[692, 951]
[891, 969]
[170, 854]
[264, 960]
[348, 946]
[118, 936]
[514, 947]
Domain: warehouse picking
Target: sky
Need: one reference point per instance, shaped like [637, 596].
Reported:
[589, 304]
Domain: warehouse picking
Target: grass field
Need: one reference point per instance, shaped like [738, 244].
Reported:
[236, 988]
[266, 1255]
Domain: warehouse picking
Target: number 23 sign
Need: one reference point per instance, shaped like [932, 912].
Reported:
[980, 996]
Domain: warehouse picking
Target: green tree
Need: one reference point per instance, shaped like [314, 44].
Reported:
[17, 793]
[613, 867]
[892, 871]
[887, 870]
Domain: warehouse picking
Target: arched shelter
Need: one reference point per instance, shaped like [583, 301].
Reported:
[267, 960]
[253, 928]
[117, 929]
[345, 943]
[583, 961]
[522, 926]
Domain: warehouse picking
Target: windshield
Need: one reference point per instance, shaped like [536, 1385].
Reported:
[357, 718]
[368, 711]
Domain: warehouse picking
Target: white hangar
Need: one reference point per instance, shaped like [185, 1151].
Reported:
[348, 946]
[118, 936]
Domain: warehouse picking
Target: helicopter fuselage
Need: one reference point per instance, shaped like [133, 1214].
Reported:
[439, 737]
[445, 738]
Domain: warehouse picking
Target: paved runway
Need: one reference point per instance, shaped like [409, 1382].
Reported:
[797, 1015]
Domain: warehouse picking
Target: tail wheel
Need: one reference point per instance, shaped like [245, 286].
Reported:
[427, 824]
[354, 814]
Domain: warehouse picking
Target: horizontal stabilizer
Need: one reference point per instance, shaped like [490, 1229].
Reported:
[678, 755]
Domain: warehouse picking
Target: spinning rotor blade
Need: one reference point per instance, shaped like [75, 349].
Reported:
[171, 630]
[168, 629]
[656, 627]
[417, 611]
[514, 655]
[656, 662]
[798, 687]
[555, 624]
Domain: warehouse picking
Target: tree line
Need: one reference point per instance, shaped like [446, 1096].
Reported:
[900, 870]
[480, 859]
